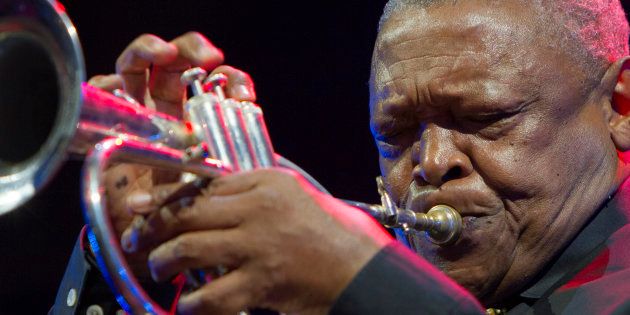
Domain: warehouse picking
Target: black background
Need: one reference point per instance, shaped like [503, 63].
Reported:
[310, 61]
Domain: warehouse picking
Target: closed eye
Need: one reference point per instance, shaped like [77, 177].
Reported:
[388, 150]
[490, 118]
[392, 144]
[490, 126]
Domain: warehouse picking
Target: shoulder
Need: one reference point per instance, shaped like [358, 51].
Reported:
[603, 286]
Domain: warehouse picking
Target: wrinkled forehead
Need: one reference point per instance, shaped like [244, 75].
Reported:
[503, 17]
[507, 42]
[468, 27]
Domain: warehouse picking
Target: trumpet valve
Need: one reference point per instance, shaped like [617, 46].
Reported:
[216, 83]
[193, 77]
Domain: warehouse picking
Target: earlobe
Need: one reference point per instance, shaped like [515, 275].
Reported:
[617, 108]
[620, 133]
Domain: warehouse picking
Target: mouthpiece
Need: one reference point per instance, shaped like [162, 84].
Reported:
[442, 224]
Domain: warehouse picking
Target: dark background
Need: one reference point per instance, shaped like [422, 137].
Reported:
[310, 61]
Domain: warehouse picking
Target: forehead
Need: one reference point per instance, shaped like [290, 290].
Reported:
[492, 25]
[457, 44]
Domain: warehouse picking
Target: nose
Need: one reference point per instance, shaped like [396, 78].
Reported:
[437, 159]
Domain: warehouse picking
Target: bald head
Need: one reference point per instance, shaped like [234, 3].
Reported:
[593, 32]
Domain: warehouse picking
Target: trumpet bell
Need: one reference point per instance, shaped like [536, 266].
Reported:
[41, 70]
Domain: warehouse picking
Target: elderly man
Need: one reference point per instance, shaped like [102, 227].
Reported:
[512, 112]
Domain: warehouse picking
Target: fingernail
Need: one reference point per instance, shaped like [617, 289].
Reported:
[153, 256]
[125, 241]
[129, 238]
[138, 222]
[139, 200]
[245, 93]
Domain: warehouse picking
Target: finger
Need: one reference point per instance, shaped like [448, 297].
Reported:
[165, 85]
[134, 62]
[198, 51]
[120, 180]
[196, 250]
[240, 84]
[246, 181]
[140, 202]
[108, 83]
[233, 184]
[226, 295]
[206, 213]
[143, 201]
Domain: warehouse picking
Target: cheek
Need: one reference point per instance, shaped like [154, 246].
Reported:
[397, 175]
[535, 160]
[543, 165]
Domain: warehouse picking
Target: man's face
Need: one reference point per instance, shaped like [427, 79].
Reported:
[470, 108]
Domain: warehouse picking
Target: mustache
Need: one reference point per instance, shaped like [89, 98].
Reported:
[467, 199]
[415, 192]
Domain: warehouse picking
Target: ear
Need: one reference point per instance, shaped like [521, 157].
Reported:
[616, 85]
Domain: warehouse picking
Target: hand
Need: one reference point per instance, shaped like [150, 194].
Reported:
[149, 69]
[288, 246]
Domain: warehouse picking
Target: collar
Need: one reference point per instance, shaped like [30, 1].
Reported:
[584, 247]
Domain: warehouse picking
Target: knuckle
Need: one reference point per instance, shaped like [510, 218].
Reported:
[144, 42]
[197, 41]
[268, 197]
[145, 38]
[284, 176]
[275, 277]
[142, 47]
[188, 215]
[236, 252]
[240, 75]
[195, 36]
[183, 248]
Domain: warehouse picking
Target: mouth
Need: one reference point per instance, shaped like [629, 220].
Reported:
[469, 203]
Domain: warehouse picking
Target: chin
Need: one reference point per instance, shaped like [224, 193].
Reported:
[478, 261]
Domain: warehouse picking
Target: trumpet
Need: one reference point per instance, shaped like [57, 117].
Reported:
[221, 136]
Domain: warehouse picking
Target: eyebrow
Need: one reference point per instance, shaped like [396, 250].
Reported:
[387, 124]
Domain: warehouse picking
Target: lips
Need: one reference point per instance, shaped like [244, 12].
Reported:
[467, 201]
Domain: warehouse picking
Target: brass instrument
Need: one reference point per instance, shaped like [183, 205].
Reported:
[41, 75]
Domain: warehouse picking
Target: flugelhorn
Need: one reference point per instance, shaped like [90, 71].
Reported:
[42, 71]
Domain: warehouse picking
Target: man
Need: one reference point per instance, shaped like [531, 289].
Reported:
[513, 112]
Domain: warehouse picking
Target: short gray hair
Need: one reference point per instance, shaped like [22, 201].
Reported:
[599, 26]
